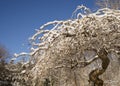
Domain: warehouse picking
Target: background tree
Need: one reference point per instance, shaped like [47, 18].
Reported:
[3, 55]
[112, 4]
[4, 72]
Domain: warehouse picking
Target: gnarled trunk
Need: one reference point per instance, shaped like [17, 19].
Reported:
[94, 74]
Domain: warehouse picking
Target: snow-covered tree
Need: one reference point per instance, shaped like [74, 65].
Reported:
[82, 51]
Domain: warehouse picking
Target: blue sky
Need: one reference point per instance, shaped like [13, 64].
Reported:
[20, 18]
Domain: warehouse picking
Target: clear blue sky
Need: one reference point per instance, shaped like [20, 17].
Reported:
[19, 18]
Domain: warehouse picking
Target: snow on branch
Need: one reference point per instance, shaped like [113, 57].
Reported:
[84, 11]
[21, 54]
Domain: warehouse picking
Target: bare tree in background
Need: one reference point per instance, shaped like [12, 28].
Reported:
[4, 71]
[3, 54]
[112, 4]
